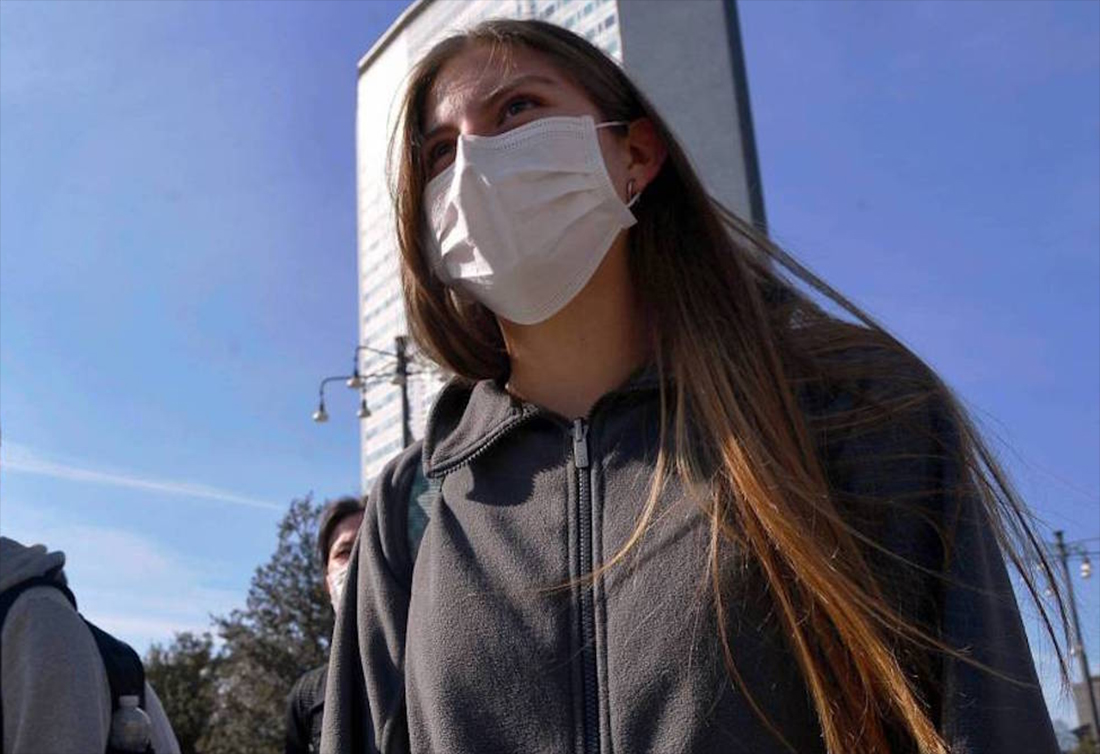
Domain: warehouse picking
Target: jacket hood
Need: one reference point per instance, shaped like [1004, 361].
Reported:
[19, 562]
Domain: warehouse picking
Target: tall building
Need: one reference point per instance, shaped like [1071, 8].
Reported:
[686, 56]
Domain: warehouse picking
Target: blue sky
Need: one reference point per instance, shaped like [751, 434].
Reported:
[177, 256]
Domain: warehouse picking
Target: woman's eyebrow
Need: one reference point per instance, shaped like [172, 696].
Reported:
[502, 90]
[488, 99]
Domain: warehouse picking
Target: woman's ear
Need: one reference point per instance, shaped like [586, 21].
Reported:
[647, 152]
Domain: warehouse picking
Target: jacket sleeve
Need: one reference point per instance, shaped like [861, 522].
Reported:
[55, 692]
[164, 738]
[365, 695]
[999, 709]
[921, 505]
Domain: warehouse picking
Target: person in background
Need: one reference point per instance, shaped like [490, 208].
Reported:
[305, 704]
[56, 685]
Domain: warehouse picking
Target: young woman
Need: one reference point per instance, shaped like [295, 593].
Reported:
[674, 505]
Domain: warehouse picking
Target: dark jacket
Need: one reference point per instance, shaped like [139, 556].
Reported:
[305, 706]
[475, 650]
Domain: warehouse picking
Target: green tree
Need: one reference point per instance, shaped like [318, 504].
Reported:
[283, 631]
[185, 676]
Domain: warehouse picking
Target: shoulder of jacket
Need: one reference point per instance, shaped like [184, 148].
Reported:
[891, 438]
[45, 605]
[305, 689]
[874, 386]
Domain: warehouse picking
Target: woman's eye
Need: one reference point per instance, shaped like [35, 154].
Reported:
[515, 107]
[438, 153]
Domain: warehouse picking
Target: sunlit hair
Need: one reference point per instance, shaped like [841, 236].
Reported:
[737, 340]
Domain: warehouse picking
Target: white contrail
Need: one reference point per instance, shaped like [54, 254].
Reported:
[21, 460]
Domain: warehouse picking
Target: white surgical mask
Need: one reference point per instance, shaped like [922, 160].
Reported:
[522, 220]
[336, 580]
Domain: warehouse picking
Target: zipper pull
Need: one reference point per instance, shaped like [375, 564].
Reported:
[580, 443]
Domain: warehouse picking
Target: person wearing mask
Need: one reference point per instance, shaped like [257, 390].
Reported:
[336, 532]
[676, 504]
[58, 691]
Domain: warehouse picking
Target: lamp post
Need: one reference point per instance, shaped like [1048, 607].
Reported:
[354, 380]
[397, 373]
[401, 378]
[1077, 645]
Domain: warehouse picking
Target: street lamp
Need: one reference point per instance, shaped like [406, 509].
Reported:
[1066, 550]
[356, 381]
[397, 372]
[320, 415]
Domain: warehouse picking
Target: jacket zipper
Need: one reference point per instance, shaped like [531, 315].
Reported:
[587, 599]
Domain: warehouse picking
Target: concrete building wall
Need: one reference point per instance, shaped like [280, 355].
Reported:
[381, 316]
[680, 55]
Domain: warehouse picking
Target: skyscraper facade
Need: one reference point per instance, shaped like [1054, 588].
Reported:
[686, 56]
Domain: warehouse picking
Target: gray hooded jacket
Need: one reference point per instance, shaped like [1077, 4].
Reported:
[468, 647]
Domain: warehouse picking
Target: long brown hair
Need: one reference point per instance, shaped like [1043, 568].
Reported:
[735, 339]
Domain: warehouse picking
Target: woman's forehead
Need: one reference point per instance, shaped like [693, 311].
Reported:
[348, 527]
[471, 77]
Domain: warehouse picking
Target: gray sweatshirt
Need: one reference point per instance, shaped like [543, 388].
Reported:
[56, 697]
[468, 647]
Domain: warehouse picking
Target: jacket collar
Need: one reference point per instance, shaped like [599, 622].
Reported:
[468, 418]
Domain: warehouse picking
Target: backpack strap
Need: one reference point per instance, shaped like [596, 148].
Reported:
[10, 595]
[423, 493]
[125, 672]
